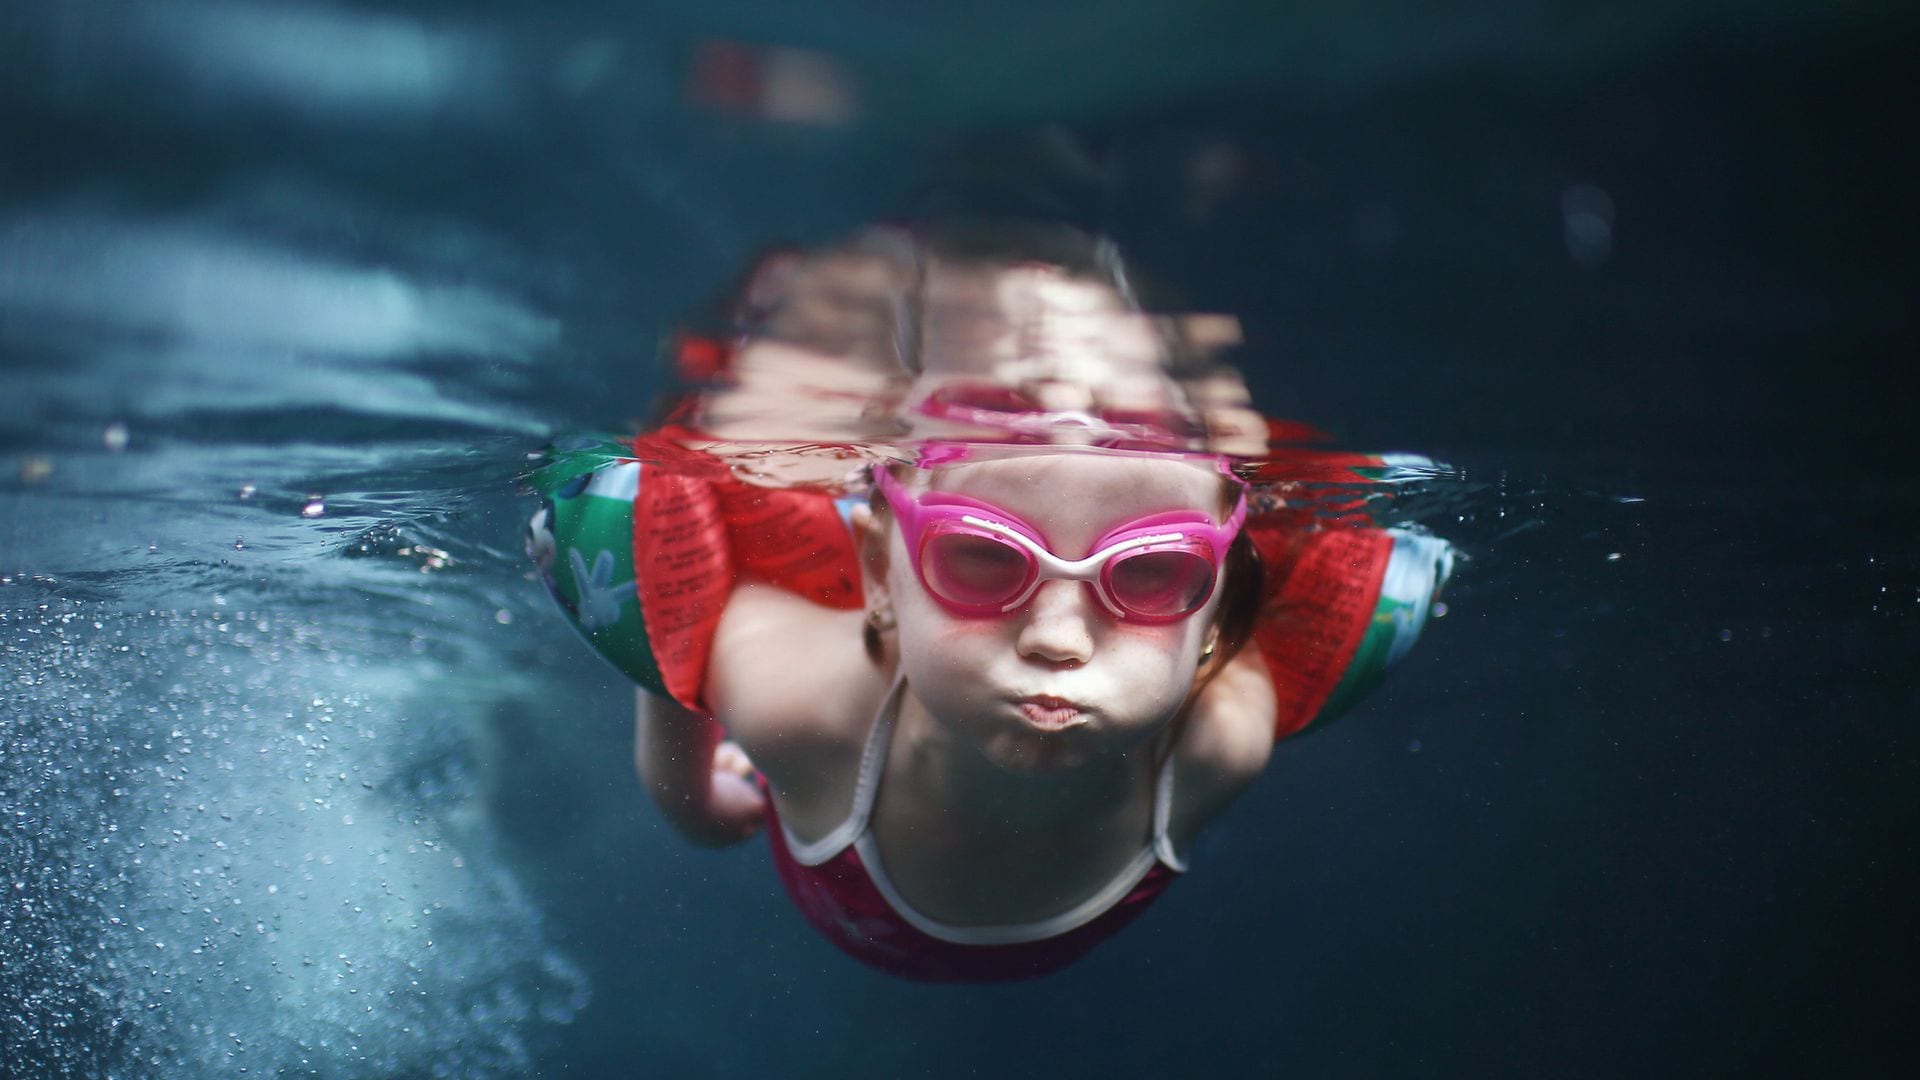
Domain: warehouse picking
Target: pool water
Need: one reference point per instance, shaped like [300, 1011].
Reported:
[301, 772]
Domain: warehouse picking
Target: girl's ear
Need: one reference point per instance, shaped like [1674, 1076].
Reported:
[1212, 659]
[870, 540]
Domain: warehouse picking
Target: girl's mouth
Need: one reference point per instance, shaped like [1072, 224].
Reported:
[1051, 713]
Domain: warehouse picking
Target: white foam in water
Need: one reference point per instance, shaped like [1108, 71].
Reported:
[236, 842]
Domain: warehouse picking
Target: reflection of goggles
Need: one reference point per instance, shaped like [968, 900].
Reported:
[979, 560]
[1008, 409]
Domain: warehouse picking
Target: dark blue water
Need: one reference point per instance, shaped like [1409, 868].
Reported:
[301, 774]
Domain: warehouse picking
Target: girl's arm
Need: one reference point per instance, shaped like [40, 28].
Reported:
[794, 687]
[702, 783]
[788, 685]
[1228, 739]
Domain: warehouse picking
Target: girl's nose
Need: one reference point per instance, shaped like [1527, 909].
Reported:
[1059, 624]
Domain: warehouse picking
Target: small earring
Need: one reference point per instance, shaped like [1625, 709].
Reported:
[1206, 654]
[877, 620]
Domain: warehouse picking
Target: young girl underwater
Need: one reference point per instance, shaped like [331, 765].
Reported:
[984, 711]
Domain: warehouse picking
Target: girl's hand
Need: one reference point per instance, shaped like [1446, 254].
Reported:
[701, 781]
[735, 806]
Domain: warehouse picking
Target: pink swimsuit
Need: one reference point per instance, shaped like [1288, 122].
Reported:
[840, 886]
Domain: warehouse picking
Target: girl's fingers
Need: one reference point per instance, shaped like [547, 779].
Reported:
[737, 806]
[729, 758]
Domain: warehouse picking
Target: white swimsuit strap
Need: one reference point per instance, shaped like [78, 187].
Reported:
[853, 832]
[873, 758]
[1160, 848]
[1163, 817]
[1010, 933]
[1079, 915]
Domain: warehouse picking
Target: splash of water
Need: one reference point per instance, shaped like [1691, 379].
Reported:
[233, 840]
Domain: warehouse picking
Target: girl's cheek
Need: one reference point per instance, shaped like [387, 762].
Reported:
[965, 630]
[949, 645]
[934, 625]
[1176, 639]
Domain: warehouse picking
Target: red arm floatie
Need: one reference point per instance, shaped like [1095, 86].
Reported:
[1322, 589]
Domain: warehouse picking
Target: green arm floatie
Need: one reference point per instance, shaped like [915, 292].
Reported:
[637, 556]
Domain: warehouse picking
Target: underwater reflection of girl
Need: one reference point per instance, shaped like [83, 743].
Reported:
[1000, 761]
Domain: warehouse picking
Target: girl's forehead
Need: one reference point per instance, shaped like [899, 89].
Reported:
[1078, 484]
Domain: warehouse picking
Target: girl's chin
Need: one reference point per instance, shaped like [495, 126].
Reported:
[1028, 757]
[1012, 744]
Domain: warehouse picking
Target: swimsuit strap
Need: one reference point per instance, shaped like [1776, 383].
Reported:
[1163, 817]
[1160, 848]
[866, 789]
[873, 757]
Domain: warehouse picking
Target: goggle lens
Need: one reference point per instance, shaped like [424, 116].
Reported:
[1162, 584]
[975, 571]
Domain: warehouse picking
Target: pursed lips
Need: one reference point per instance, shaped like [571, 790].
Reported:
[1051, 713]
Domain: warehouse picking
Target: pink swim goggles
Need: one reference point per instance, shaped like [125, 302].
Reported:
[978, 560]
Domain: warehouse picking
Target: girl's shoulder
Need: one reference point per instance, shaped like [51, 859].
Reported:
[1226, 742]
[792, 683]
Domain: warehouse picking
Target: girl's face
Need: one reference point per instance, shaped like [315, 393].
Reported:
[1060, 679]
